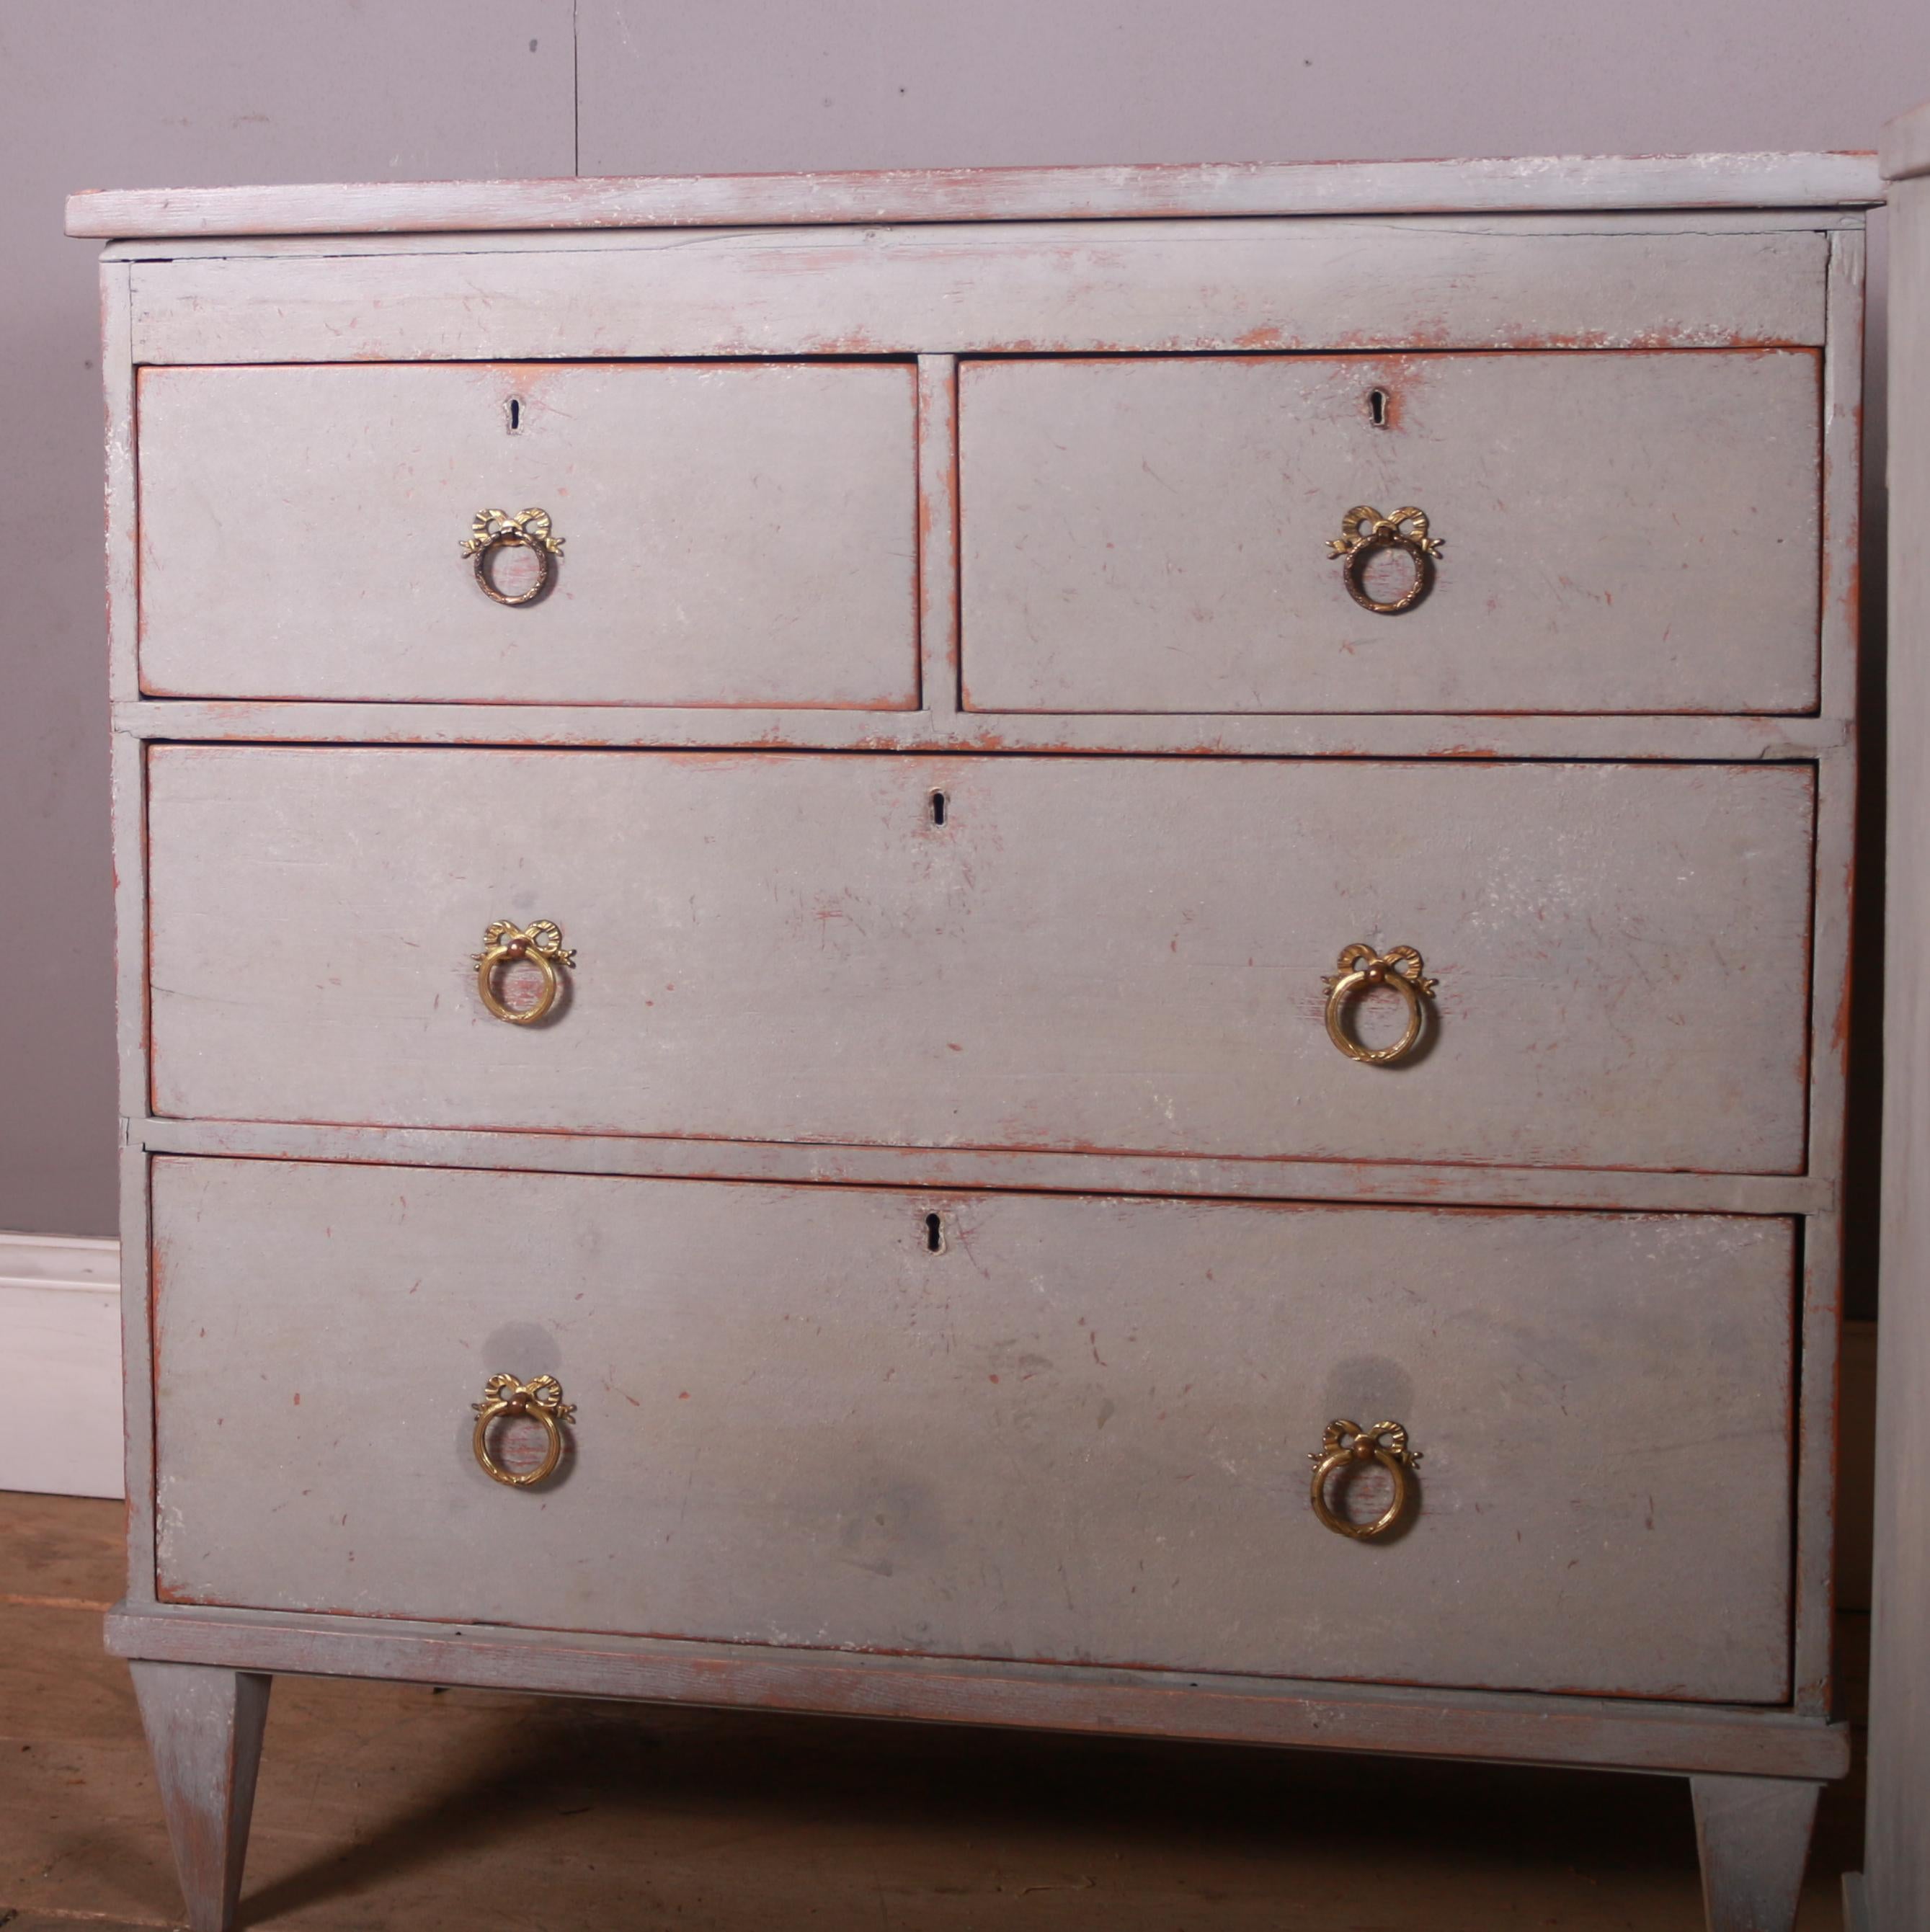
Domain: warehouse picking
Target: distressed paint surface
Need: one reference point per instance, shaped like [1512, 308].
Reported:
[1065, 287]
[1621, 532]
[1519, 280]
[976, 194]
[1739, 1739]
[737, 535]
[1077, 1433]
[1837, 975]
[1445, 1184]
[1753, 1834]
[204, 1727]
[1897, 1871]
[1124, 956]
[1357, 735]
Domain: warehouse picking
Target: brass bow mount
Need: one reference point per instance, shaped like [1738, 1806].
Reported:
[1364, 532]
[493, 530]
[1362, 968]
[1347, 1443]
[504, 1396]
[541, 944]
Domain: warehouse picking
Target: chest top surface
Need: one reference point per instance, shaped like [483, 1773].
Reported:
[1607, 183]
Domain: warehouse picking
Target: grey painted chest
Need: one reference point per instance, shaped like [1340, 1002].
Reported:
[1059, 948]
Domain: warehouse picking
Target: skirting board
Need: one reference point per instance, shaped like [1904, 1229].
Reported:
[60, 1336]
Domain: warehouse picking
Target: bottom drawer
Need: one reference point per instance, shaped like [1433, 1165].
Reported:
[1078, 1431]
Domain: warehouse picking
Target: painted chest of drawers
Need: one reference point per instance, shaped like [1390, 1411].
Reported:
[1060, 948]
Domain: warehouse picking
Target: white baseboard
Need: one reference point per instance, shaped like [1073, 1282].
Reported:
[60, 1337]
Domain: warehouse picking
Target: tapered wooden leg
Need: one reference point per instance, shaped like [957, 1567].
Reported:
[1754, 1835]
[204, 1727]
[1856, 1905]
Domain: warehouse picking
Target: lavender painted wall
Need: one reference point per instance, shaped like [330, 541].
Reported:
[98, 91]
[116, 93]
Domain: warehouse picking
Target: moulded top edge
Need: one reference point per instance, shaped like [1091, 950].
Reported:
[1904, 150]
[1577, 183]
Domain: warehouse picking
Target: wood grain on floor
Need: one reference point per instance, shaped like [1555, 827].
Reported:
[398, 1808]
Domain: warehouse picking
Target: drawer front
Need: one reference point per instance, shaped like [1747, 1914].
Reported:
[1620, 533]
[738, 534]
[1316, 282]
[1079, 1433]
[1126, 954]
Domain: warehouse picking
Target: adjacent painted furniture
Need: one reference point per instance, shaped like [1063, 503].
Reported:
[1061, 948]
[1893, 1893]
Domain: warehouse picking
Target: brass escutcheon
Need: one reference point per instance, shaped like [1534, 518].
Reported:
[505, 1395]
[497, 529]
[1344, 1442]
[1363, 531]
[541, 944]
[1361, 967]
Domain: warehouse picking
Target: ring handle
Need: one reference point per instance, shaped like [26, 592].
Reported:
[505, 1395]
[1364, 533]
[1347, 1443]
[1361, 968]
[540, 944]
[493, 530]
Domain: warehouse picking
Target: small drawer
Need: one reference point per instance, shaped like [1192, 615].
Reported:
[1059, 1430]
[1619, 532]
[1139, 955]
[739, 534]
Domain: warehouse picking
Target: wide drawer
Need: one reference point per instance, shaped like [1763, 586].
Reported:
[1078, 1432]
[1095, 954]
[732, 534]
[1620, 533]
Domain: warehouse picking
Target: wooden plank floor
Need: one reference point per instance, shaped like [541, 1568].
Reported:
[396, 1808]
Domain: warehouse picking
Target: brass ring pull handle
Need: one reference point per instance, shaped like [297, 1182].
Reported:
[504, 1395]
[541, 944]
[1361, 967]
[1364, 532]
[1347, 1442]
[497, 529]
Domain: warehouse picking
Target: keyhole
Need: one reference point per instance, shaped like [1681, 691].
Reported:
[515, 414]
[934, 1234]
[1377, 408]
[939, 807]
